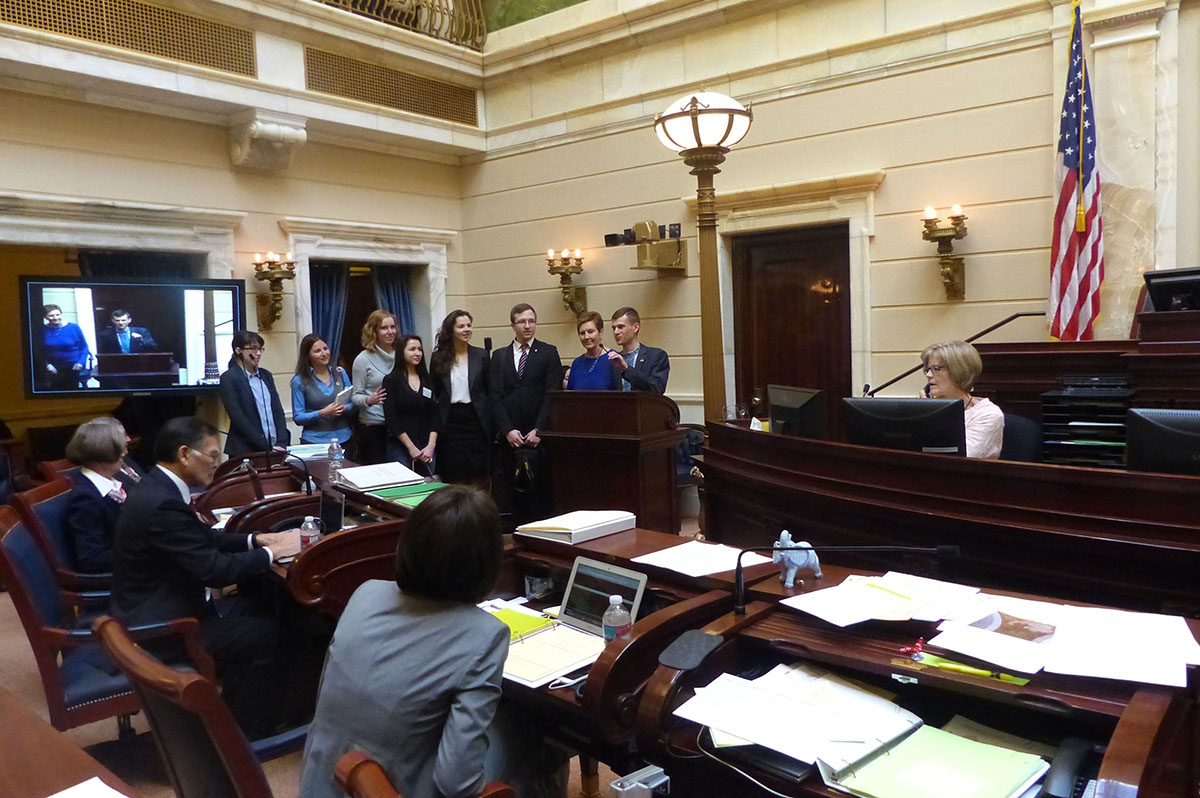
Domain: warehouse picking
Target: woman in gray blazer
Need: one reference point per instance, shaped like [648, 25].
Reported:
[413, 675]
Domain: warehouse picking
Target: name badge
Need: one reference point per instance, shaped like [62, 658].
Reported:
[428, 394]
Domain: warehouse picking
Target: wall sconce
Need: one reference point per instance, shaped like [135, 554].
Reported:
[954, 277]
[274, 270]
[565, 266]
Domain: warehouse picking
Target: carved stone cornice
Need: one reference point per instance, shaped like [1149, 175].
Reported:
[265, 140]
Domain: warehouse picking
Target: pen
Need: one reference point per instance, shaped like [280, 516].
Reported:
[956, 667]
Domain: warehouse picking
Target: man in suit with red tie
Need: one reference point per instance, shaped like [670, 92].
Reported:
[522, 374]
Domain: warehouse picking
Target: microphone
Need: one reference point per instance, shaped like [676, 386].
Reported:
[308, 480]
[946, 552]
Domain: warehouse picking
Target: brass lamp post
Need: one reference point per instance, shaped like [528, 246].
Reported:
[702, 127]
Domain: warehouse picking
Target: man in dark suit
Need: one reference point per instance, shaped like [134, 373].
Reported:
[121, 338]
[642, 368]
[522, 374]
[165, 558]
[256, 420]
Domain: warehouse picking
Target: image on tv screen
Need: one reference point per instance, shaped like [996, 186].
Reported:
[83, 335]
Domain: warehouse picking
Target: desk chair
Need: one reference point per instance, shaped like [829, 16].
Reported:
[1022, 440]
[203, 749]
[274, 515]
[51, 470]
[243, 489]
[326, 574]
[81, 684]
[43, 509]
[362, 777]
[262, 462]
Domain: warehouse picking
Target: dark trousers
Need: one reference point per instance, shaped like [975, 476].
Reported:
[526, 475]
[248, 646]
[371, 444]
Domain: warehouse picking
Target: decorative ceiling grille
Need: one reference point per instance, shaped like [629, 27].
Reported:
[378, 85]
[145, 28]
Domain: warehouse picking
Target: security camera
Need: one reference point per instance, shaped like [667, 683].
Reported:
[618, 239]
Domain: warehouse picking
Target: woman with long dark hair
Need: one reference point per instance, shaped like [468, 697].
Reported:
[410, 410]
[315, 389]
[460, 378]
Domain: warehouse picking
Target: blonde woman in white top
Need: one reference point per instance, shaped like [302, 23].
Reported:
[950, 373]
[370, 367]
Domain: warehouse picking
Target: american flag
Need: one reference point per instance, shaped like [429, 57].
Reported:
[1077, 251]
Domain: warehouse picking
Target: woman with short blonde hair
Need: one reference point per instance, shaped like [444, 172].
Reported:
[950, 372]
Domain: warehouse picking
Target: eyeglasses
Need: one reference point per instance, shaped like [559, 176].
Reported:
[933, 369]
[206, 455]
[255, 349]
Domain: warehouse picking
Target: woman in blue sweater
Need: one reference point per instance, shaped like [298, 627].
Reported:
[592, 371]
[314, 394]
[64, 352]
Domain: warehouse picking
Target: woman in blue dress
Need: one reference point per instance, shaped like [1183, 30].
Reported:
[314, 394]
[64, 351]
[592, 371]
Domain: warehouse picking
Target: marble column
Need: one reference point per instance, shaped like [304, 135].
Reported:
[1134, 73]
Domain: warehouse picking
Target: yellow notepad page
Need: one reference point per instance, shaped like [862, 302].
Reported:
[937, 764]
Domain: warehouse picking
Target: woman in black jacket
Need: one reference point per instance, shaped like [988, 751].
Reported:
[409, 409]
[460, 378]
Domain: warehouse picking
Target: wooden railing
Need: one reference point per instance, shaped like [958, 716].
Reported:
[456, 21]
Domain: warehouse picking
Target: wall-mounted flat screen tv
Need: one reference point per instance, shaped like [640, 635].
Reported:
[120, 336]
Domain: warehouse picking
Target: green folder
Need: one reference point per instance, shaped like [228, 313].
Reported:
[412, 501]
[937, 764]
[407, 490]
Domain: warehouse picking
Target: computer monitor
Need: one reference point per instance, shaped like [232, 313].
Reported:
[920, 425]
[1173, 289]
[1167, 441]
[797, 411]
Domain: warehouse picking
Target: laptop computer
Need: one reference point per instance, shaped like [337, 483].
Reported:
[577, 639]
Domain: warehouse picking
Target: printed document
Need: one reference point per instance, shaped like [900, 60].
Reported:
[696, 558]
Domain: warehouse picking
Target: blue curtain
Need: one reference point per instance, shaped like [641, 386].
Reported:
[327, 284]
[391, 291]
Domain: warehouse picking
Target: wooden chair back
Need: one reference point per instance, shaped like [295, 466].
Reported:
[327, 573]
[51, 470]
[362, 777]
[262, 461]
[243, 489]
[202, 747]
[274, 515]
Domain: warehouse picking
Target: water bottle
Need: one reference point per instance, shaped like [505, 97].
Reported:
[616, 620]
[335, 461]
[310, 532]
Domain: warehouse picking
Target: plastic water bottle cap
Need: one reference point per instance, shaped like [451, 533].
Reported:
[308, 519]
[614, 600]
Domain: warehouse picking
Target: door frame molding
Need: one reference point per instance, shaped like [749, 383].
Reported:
[806, 203]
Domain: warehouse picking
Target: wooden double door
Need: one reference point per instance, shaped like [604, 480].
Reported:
[792, 315]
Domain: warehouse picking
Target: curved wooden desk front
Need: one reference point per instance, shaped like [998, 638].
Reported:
[1150, 731]
[1121, 538]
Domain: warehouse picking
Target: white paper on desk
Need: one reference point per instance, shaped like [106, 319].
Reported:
[696, 558]
[92, 788]
[826, 718]
[856, 599]
[541, 658]
[1013, 633]
[1116, 644]
[933, 598]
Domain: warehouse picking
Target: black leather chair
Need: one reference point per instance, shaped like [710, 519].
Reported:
[1022, 439]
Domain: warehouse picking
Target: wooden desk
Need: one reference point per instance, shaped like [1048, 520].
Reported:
[36, 760]
[1150, 731]
[1127, 539]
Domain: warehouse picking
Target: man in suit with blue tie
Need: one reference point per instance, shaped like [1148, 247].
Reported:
[522, 374]
[121, 338]
[642, 367]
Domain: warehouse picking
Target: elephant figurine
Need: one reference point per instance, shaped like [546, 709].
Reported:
[792, 561]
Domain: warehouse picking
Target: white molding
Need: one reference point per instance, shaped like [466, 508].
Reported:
[48, 220]
[849, 198]
[423, 248]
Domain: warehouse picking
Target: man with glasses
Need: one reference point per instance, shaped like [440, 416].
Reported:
[256, 420]
[521, 376]
[166, 560]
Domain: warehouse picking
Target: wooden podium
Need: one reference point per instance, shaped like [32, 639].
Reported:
[615, 450]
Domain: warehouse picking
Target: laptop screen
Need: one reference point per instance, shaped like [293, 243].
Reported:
[592, 583]
[333, 505]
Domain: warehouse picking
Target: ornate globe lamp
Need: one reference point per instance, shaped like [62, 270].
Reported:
[702, 127]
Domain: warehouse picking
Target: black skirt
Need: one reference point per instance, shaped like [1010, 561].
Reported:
[462, 447]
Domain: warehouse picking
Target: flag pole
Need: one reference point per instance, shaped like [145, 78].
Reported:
[1077, 30]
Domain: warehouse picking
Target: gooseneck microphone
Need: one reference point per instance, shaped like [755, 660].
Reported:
[739, 607]
[308, 480]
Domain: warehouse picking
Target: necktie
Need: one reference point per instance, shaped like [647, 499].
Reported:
[521, 362]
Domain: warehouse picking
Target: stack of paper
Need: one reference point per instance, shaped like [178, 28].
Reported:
[937, 764]
[310, 451]
[892, 597]
[1016, 634]
[695, 558]
[1115, 644]
[802, 712]
[580, 526]
[378, 476]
